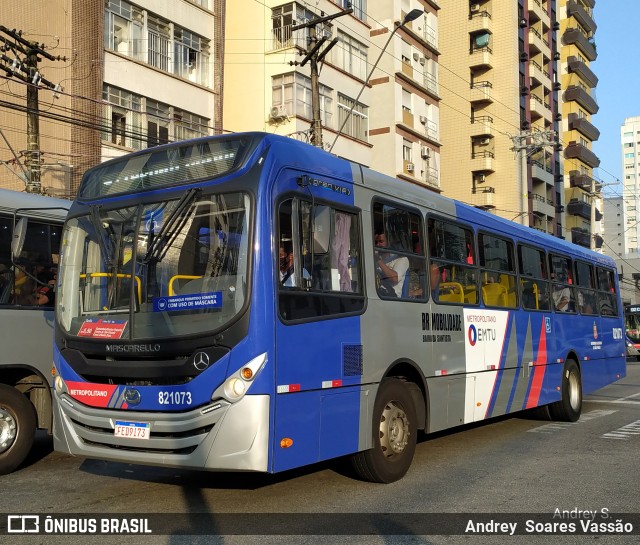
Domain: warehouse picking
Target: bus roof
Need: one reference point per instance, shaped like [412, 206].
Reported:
[33, 205]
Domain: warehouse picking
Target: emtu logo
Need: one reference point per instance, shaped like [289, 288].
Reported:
[473, 335]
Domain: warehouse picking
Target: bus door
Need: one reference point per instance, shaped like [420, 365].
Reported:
[318, 346]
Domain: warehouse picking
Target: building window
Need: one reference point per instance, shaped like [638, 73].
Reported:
[123, 28]
[183, 53]
[191, 56]
[288, 15]
[187, 125]
[293, 91]
[158, 123]
[158, 43]
[357, 124]
[628, 155]
[351, 56]
[407, 151]
[359, 8]
[125, 119]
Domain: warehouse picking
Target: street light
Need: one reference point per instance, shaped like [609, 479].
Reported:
[411, 16]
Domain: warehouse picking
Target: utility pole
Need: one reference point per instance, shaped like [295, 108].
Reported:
[315, 55]
[524, 144]
[23, 65]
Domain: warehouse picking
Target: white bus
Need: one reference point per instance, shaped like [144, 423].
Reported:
[30, 229]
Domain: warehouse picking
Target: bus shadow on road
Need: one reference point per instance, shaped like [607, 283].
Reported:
[201, 479]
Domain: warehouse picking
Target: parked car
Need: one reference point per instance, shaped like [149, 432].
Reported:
[633, 354]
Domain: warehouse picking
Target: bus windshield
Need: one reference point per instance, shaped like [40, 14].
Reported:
[156, 270]
[632, 323]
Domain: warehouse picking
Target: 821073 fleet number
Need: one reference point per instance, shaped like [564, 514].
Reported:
[174, 398]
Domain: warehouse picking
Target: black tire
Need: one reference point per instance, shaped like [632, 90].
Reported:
[17, 428]
[569, 407]
[394, 435]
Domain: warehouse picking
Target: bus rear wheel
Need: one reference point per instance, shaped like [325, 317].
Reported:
[569, 407]
[17, 428]
[394, 435]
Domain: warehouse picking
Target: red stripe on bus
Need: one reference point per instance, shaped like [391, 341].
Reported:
[539, 367]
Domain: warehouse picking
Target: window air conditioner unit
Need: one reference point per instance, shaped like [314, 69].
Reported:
[409, 167]
[416, 57]
[422, 61]
[425, 152]
[423, 119]
[484, 141]
[474, 7]
[278, 112]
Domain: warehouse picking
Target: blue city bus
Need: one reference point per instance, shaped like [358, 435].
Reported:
[223, 307]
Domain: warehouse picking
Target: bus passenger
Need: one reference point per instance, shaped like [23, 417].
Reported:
[390, 269]
[561, 298]
[287, 278]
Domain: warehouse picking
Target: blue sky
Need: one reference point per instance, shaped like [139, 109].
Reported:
[618, 90]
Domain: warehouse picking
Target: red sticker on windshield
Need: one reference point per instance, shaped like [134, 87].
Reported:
[102, 329]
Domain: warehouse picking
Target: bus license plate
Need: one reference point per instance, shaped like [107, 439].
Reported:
[132, 430]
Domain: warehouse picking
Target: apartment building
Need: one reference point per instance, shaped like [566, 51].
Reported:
[405, 116]
[630, 202]
[389, 123]
[136, 74]
[582, 192]
[499, 128]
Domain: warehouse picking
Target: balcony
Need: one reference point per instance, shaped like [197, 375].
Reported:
[430, 36]
[538, 75]
[579, 208]
[541, 173]
[479, 20]
[481, 57]
[431, 177]
[481, 92]
[538, 13]
[598, 215]
[481, 126]
[539, 109]
[407, 118]
[578, 151]
[574, 9]
[581, 237]
[573, 92]
[577, 66]
[407, 69]
[543, 206]
[431, 84]
[538, 44]
[598, 241]
[483, 197]
[582, 125]
[580, 180]
[482, 161]
[574, 36]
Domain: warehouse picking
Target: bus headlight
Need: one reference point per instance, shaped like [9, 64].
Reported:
[59, 385]
[236, 386]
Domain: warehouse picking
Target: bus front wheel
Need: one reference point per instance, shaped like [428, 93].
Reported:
[394, 435]
[17, 428]
[569, 407]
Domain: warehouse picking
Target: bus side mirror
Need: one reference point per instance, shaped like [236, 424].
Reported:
[17, 240]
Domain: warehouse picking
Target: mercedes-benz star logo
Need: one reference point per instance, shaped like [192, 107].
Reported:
[201, 361]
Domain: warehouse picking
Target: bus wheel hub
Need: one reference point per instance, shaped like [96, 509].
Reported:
[8, 430]
[394, 430]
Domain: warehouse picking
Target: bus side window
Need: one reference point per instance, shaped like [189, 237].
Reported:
[497, 271]
[398, 252]
[452, 272]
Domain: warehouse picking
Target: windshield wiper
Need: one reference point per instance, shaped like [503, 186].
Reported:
[158, 246]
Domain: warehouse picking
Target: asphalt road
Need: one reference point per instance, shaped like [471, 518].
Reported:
[509, 465]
